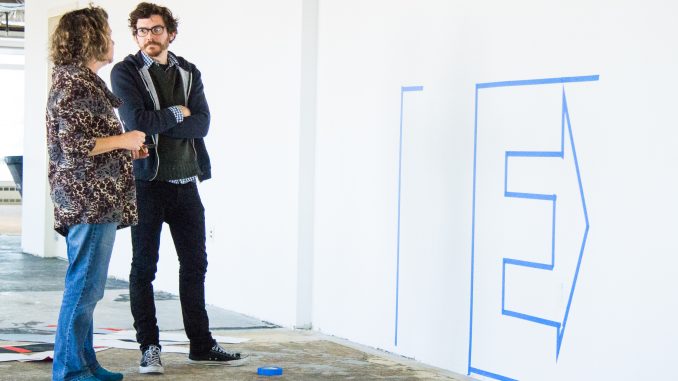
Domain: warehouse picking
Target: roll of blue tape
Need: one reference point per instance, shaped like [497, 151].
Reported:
[269, 371]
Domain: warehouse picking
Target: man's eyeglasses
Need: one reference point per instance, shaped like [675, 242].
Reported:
[143, 32]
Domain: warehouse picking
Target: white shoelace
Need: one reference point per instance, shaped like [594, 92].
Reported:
[218, 348]
[153, 358]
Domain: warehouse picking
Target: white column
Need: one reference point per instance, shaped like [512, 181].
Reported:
[38, 236]
[309, 63]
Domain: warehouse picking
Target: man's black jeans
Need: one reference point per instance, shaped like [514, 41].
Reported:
[180, 207]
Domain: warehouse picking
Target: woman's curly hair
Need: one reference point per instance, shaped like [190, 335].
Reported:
[82, 35]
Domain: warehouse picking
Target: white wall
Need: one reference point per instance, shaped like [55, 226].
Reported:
[249, 54]
[412, 226]
[367, 52]
[37, 236]
[620, 322]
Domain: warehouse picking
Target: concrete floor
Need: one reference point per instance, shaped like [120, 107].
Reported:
[303, 355]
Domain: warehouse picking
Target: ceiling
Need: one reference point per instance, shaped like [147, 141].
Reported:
[12, 19]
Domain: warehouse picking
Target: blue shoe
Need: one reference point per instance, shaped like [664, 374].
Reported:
[102, 374]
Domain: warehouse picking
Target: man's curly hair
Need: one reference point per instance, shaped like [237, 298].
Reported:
[146, 10]
[82, 35]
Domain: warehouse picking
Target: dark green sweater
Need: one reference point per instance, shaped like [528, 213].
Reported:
[177, 157]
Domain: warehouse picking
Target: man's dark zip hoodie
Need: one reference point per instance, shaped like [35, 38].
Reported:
[131, 81]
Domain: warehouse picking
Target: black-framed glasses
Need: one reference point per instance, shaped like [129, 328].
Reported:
[143, 32]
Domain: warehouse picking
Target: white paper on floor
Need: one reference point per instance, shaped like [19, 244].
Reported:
[124, 344]
[40, 356]
[105, 338]
[52, 328]
[34, 356]
[27, 338]
[169, 338]
[175, 337]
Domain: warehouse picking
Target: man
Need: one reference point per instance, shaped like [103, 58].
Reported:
[163, 97]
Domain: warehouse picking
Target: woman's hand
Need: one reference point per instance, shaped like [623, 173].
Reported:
[142, 153]
[132, 141]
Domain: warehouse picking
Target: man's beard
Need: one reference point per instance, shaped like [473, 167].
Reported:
[155, 53]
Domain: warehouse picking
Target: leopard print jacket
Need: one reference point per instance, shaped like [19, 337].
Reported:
[86, 189]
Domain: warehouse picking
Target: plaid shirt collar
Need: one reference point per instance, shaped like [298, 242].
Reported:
[148, 61]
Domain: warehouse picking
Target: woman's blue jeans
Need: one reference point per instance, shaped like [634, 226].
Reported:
[89, 252]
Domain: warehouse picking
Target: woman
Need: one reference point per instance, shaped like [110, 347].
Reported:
[92, 186]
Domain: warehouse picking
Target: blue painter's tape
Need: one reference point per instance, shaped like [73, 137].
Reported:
[411, 88]
[559, 325]
[540, 81]
[490, 374]
[403, 90]
[269, 371]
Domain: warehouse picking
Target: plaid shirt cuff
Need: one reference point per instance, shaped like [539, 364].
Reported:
[177, 114]
[191, 179]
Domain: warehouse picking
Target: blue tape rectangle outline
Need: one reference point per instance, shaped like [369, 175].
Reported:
[403, 90]
[489, 85]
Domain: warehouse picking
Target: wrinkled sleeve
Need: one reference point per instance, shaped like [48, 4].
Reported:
[197, 125]
[133, 112]
[75, 120]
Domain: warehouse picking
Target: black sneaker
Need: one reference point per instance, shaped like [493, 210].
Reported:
[218, 355]
[150, 361]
